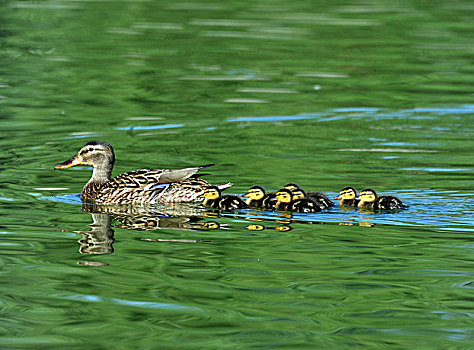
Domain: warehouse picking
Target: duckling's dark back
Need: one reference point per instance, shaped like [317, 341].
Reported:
[229, 202]
[389, 203]
[305, 206]
[320, 199]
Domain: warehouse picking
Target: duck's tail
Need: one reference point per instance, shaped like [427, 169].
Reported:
[178, 175]
[225, 186]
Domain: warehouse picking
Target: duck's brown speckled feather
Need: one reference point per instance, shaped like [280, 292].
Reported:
[137, 187]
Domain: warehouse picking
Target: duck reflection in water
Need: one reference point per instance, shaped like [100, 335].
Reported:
[100, 239]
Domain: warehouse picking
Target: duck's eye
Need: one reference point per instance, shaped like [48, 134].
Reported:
[90, 149]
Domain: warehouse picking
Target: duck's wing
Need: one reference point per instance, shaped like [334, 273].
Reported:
[178, 175]
[150, 177]
[149, 185]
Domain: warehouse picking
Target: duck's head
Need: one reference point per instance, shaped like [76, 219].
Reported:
[298, 194]
[367, 195]
[347, 193]
[255, 193]
[212, 192]
[284, 196]
[291, 186]
[97, 154]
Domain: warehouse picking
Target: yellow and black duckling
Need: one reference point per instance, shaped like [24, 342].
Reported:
[284, 199]
[369, 200]
[215, 199]
[144, 186]
[286, 202]
[317, 197]
[347, 197]
[258, 198]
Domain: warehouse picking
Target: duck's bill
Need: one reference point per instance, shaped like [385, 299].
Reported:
[337, 197]
[69, 163]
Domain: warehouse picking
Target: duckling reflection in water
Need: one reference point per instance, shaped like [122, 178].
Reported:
[214, 199]
[347, 197]
[256, 227]
[258, 198]
[369, 200]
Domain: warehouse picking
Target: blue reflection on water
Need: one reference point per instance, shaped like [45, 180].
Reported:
[144, 304]
[270, 119]
[151, 127]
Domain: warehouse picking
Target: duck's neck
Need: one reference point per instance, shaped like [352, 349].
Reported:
[100, 176]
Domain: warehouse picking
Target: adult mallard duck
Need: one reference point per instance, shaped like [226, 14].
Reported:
[215, 199]
[369, 200]
[144, 186]
[258, 198]
[347, 197]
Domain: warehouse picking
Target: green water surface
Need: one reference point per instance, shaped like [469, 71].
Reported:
[326, 94]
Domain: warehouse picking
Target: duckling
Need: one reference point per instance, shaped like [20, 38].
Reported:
[215, 199]
[258, 198]
[369, 199]
[284, 199]
[317, 197]
[287, 202]
[347, 197]
[302, 204]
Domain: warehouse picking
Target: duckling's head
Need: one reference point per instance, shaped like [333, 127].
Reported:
[291, 186]
[298, 194]
[367, 195]
[212, 192]
[347, 193]
[284, 196]
[97, 154]
[255, 193]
